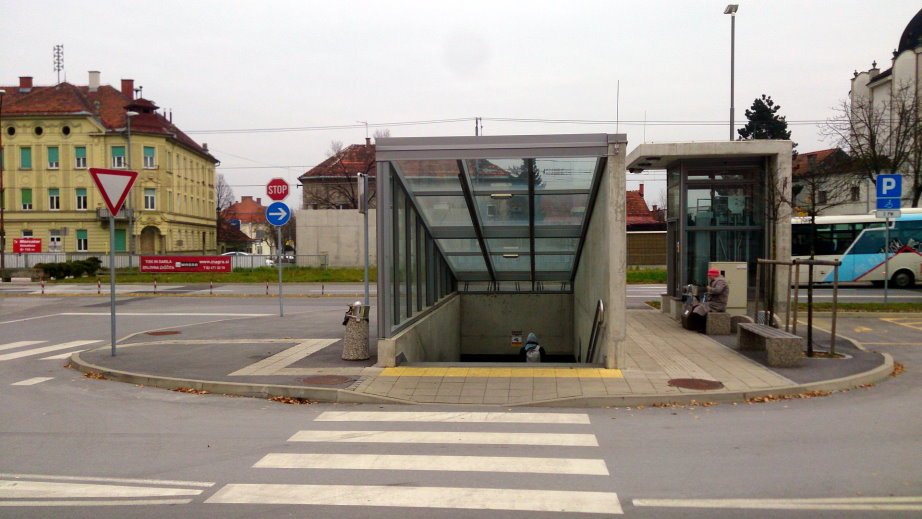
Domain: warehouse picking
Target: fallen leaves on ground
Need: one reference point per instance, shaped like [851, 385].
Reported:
[191, 391]
[775, 398]
[95, 376]
[693, 403]
[898, 369]
[290, 400]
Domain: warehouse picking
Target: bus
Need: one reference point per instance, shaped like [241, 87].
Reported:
[858, 241]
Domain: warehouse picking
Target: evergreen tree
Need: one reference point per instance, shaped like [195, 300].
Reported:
[764, 121]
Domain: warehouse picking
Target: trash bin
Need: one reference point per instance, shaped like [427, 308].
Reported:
[355, 340]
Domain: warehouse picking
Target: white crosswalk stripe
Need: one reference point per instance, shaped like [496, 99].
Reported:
[18, 344]
[61, 356]
[554, 498]
[44, 349]
[31, 381]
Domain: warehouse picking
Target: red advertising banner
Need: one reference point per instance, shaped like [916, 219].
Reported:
[27, 245]
[158, 264]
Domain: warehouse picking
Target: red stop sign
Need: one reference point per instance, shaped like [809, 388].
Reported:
[277, 189]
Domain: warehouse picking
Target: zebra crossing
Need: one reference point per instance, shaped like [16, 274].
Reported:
[34, 348]
[467, 437]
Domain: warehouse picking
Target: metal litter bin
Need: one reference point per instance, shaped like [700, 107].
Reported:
[355, 340]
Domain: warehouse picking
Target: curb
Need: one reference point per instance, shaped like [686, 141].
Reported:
[316, 394]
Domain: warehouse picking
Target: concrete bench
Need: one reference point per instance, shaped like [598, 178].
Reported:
[784, 349]
[718, 323]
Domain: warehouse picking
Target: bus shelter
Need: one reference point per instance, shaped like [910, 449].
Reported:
[727, 205]
[482, 240]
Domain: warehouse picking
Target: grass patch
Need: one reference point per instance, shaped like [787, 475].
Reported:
[654, 304]
[256, 275]
[646, 276]
[863, 307]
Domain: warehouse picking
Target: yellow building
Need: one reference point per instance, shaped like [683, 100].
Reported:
[52, 135]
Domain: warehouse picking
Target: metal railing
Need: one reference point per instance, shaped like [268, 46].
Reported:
[597, 321]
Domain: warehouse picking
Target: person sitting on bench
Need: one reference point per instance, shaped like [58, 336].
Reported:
[718, 292]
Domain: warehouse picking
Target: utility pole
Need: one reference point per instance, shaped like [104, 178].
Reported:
[3, 276]
[128, 208]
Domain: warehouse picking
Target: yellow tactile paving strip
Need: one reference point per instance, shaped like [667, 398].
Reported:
[447, 372]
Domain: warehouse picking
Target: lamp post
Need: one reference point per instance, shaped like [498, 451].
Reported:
[731, 10]
[2, 201]
[128, 209]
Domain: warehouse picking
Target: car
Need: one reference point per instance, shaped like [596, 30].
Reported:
[236, 253]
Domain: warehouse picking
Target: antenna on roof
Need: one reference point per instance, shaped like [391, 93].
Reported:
[59, 60]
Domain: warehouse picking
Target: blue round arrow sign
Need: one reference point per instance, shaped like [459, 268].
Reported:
[278, 214]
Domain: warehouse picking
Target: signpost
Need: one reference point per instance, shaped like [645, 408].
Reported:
[27, 245]
[889, 192]
[278, 214]
[114, 185]
[161, 264]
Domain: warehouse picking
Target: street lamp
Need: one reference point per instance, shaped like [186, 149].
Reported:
[3, 276]
[731, 10]
[128, 115]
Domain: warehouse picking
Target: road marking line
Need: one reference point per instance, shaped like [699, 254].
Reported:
[844, 503]
[285, 358]
[117, 502]
[452, 417]
[179, 483]
[591, 467]
[464, 438]
[144, 314]
[20, 344]
[61, 356]
[422, 497]
[31, 381]
[44, 349]
[43, 489]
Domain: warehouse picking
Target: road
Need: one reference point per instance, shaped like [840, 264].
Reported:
[71, 446]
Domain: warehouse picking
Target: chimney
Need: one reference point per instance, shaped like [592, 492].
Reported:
[655, 208]
[205, 146]
[874, 72]
[367, 142]
[640, 188]
[94, 80]
[259, 201]
[25, 83]
[246, 198]
[128, 88]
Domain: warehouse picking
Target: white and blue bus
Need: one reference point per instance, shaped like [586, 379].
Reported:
[859, 242]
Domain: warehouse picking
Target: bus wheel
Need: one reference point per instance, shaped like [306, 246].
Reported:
[902, 279]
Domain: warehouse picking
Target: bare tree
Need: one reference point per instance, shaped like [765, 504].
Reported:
[880, 136]
[824, 185]
[335, 148]
[382, 133]
[224, 194]
[335, 186]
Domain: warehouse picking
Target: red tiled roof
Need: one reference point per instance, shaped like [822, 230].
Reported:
[107, 105]
[227, 233]
[355, 158]
[637, 210]
[246, 210]
[801, 163]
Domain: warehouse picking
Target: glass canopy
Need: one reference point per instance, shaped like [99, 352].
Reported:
[502, 218]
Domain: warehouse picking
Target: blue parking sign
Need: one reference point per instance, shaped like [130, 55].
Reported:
[889, 191]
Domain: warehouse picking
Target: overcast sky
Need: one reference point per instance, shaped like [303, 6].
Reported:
[258, 67]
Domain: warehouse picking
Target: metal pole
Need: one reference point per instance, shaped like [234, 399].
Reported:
[787, 308]
[835, 301]
[112, 277]
[732, 67]
[810, 312]
[278, 262]
[796, 299]
[130, 231]
[2, 202]
[366, 247]
[887, 260]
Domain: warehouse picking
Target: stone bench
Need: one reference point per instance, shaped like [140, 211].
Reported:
[784, 349]
[718, 323]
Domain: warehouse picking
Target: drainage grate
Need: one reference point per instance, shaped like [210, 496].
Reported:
[696, 383]
[327, 380]
[164, 332]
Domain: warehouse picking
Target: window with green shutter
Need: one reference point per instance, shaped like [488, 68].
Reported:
[82, 241]
[118, 157]
[54, 159]
[149, 157]
[80, 157]
[54, 198]
[25, 158]
[26, 195]
[81, 198]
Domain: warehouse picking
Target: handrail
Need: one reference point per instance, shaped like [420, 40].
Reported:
[597, 322]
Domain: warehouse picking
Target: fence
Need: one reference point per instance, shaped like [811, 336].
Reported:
[124, 260]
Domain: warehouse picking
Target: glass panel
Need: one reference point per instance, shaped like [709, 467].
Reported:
[554, 262]
[723, 206]
[400, 255]
[467, 263]
[556, 244]
[497, 175]
[508, 245]
[672, 192]
[449, 245]
[411, 271]
[502, 211]
[560, 209]
[520, 263]
[444, 211]
[430, 175]
[565, 173]
[707, 246]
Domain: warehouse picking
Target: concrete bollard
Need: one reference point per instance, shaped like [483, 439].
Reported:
[355, 340]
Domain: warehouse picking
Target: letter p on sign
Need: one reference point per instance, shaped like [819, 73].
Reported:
[889, 186]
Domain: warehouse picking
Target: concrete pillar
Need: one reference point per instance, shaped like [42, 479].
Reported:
[616, 216]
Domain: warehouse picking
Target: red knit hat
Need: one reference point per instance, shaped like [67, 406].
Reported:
[713, 272]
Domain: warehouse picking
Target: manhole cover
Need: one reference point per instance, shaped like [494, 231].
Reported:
[164, 332]
[326, 380]
[696, 383]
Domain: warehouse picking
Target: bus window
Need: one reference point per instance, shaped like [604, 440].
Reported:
[871, 242]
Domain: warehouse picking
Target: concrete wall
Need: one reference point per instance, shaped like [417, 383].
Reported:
[487, 322]
[436, 337]
[338, 233]
[601, 273]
